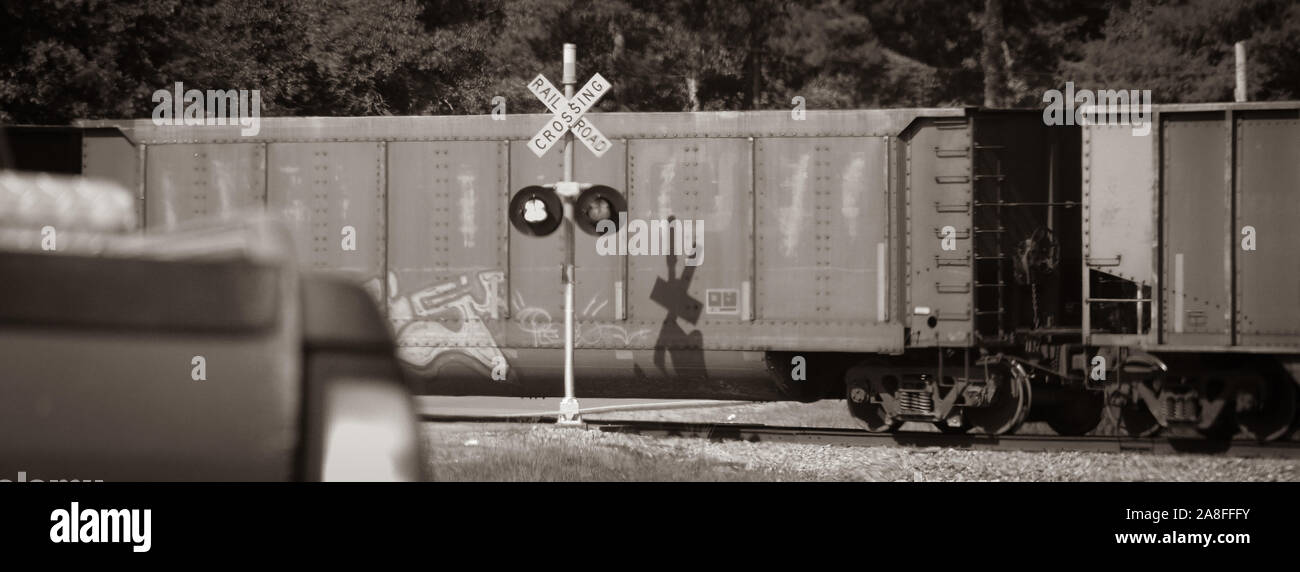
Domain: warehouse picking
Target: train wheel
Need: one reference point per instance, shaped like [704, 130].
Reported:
[1137, 421]
[872, 416]
[1273, 420]
[1079, 412]
[1011, 398]
[1130, 415]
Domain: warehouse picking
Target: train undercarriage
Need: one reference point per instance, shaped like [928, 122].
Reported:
[1009, 333]
[1077, 390]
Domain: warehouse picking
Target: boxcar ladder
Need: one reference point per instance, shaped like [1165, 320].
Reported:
[990, 258]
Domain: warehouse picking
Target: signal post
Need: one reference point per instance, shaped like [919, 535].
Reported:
[540, 210]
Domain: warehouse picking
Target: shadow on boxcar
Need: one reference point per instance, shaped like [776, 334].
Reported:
[686, 349]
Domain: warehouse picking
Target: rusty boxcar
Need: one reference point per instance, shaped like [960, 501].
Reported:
[962, 267]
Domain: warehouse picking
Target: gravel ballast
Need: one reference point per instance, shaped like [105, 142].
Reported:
[514, 452]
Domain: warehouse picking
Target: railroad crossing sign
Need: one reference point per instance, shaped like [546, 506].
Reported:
[568, 115]
[540, 210]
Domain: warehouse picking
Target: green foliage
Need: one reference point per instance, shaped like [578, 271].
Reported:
[81, 58]
[1183, 50]
[66, 59]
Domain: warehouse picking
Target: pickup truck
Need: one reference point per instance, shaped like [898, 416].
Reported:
[200, 353]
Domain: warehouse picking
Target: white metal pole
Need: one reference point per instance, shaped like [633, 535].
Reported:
[569, 405]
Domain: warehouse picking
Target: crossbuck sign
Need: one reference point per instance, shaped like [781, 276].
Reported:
[568, 115]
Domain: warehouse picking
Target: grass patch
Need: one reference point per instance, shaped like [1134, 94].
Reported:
[509, 452]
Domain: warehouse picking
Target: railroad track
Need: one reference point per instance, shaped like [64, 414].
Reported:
[859, 438]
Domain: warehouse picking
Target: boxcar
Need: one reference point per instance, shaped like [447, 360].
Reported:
[960, 267]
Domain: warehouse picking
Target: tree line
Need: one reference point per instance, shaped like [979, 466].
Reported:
[62, 60]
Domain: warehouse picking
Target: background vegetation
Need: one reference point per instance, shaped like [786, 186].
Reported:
[67, 59]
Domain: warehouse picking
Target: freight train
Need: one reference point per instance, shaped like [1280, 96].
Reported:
[968, 268]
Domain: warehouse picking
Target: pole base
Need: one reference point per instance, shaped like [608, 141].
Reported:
[569, 416]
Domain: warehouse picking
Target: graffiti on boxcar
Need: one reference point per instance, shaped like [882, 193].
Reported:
[538, 323]
[444, 324]
[535, 321]
[605, 335]
[594, 334]
[449, 323]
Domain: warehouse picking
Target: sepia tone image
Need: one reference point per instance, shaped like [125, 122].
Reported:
[690, 240]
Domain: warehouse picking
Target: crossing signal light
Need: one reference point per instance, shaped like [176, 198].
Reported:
[596, 204]
[536, 211]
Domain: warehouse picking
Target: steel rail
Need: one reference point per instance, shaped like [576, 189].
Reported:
[860, 438]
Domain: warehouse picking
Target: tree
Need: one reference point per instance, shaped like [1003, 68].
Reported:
[1183, 51]
[62, 60]
[991, 54]
[67, 59]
